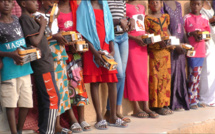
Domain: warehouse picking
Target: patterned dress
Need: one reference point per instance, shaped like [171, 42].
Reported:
[60, 57]
[159, 63]
[179, 94]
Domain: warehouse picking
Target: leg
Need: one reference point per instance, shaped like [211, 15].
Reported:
[75, 127]
[94, 88]
[11, 120]
[23, 112]
[138, 112]
[112, 95]
[48, 101]
[148, 111]
[81, 116]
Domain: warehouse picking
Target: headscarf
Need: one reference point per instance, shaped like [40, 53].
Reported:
[86, 23]
[74, 7]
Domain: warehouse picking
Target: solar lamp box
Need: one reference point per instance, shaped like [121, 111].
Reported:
[81, 46]
[190, 50]
[109, 64]
[70, 36]
[151, 38]
[54, 12]
[204, 35]
[29, 54]
[171, 40]
[118, 29]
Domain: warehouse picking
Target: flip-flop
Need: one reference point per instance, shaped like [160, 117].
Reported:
[76, 126]
[194, 107]
[169, 111]
[161, 111]
[64, 131]
[126, 119]
[101, 123]
[19, 132]
[119, 123]
[138, 115]
[84, 124]
[152, 115]
[202, 105]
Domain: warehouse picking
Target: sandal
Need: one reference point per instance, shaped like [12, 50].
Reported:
[74, 128]
[101, 123]
[194, 107]
[64, 131]
[119, 123]
[141, 115]
[169, 111]
[161, 111]
[202, 105]
[84, 124]
[153, 114]
[126, 119]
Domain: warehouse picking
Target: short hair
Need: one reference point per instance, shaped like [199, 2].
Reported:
[19, 2]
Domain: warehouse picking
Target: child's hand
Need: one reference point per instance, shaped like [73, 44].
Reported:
[124, 24]
[98, 58]
[139, 41]
[15, 56]
[195, 35]
[179, 50]
[72, 46]
[60, 39]
[131, 24]
[41, 21]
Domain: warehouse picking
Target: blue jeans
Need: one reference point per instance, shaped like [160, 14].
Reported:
[121, 57]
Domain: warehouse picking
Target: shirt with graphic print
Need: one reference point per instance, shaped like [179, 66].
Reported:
[11, 38]
[196, 22]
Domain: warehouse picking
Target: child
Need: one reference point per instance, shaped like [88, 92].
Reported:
[16, 87]
[48, 95]
[136, 85]
[207, 81]
[179, 94]
[159, 60]
[194, 22]
[78, 95]
[121, 52]
[96, 25]
[59, 56]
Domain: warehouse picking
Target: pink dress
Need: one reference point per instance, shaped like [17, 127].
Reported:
[136, 83]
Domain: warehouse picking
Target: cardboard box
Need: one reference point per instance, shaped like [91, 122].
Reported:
[29, 54]
[109, 64]
[204, 35]
[82, 46]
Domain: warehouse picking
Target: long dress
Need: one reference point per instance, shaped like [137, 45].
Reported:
[207, 81]
[159, 63]
[179, 94]
[92, 73]
[136, 84]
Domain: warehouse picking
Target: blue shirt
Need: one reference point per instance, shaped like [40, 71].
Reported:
[11, 38]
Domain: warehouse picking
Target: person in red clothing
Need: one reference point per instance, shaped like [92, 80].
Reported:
[96, 25]
[77, 91]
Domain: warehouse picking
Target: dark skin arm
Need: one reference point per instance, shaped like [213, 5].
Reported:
[97, 54]
[36, 39]
[195, 35]
[138, 40]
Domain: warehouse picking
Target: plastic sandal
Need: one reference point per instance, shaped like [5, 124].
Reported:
[161, 111]
[138, 115]
[64, 131]
[203, 105]
[101, 123]
[119, 123]
[126, 119]
[74, 128]
[84, 124]
[194, 107]
[153, 114]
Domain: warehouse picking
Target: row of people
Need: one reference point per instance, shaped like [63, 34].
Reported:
[93, 19]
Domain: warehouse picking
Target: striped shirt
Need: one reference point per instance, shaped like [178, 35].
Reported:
[117, 8]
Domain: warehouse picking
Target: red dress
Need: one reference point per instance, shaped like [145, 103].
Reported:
[92, 73]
